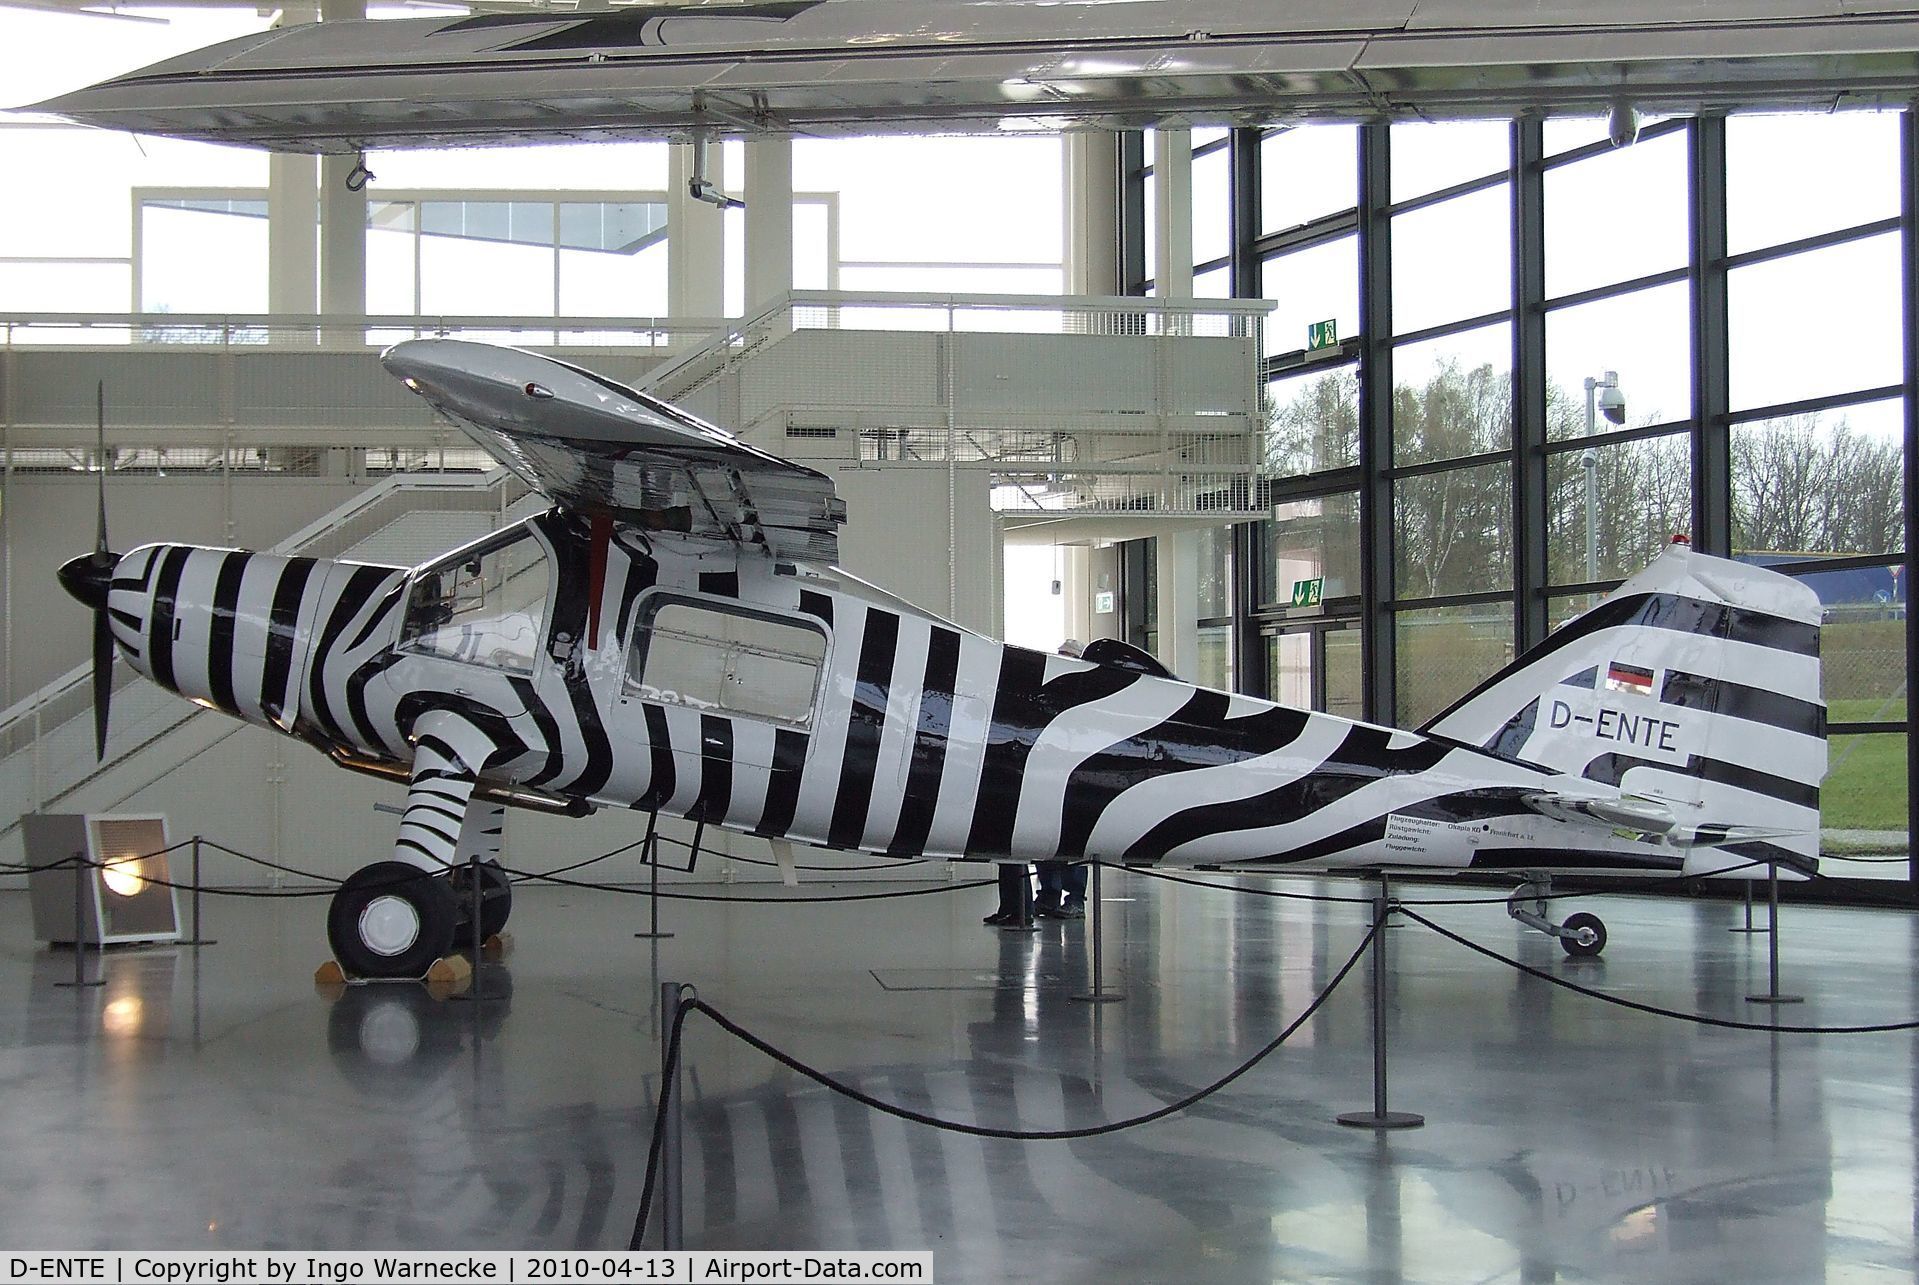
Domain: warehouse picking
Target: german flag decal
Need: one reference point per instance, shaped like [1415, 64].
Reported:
[1621, 677]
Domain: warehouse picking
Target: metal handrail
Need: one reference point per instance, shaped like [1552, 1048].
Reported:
[347, 332]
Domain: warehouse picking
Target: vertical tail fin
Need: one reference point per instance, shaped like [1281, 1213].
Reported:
[1696, 683]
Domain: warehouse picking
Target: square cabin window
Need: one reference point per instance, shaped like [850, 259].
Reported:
[726, 662]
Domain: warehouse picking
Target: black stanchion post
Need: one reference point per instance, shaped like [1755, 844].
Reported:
[1098, 994]
[1379, 1117]
[1772, 995]
[672, 1202]
[80, 882]
[197, 940]
[475, 992]
[649, 849]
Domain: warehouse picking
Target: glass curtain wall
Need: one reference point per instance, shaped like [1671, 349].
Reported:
[1510, 361]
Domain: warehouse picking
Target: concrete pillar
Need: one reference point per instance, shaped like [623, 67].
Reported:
[1178, 569]
[342, 212]
[1091, 160]
[342, 240]
[1173, 213]
[1077, 572]
[293, 215]
[293, 263]
[695, 241]
[769, 221]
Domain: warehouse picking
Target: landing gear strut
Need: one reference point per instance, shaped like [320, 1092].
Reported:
[1581, 935]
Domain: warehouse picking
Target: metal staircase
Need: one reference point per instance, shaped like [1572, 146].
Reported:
[1122, 406]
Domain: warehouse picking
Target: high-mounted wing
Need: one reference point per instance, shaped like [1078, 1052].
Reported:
[826, 67]
[598, 447]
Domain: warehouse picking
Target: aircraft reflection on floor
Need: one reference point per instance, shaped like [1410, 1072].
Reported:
[1566, 1139]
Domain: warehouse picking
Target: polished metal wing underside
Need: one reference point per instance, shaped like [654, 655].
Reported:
[594, 446]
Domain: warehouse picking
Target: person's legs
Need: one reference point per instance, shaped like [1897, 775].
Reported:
[1015, 897]
[1051, 885]
[1073, 885]
[1008, 896]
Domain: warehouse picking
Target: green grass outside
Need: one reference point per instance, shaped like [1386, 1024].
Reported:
[1865, 787]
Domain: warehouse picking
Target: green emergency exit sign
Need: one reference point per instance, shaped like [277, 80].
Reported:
[1307, 593]
[1322, 334]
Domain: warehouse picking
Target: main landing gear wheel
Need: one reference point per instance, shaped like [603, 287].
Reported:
[391, 919]
[496, 898]
[1575, 932]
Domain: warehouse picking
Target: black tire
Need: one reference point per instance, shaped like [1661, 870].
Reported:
[391, 919]
[1574, 923]
[496, 899]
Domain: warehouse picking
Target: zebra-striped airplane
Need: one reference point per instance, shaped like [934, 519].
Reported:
[673, 636]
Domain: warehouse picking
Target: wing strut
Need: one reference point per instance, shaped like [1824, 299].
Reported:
[602, 535]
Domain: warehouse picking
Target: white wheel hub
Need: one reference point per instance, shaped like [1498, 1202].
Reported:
[389, 925]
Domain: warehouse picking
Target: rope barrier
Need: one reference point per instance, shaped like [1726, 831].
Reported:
[1700, 1019]
[622, 890]
[865, 1099]
[1151, 873]
[1624, 888]
[271, 865]
[64, 862]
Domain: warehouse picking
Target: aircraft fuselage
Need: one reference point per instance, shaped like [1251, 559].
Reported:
[718, 684]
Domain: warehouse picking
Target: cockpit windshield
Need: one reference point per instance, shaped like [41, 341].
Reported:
[484, 604]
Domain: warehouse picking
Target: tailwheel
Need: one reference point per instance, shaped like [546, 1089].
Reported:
[1582, 935]
[496, 898]
[391, 919]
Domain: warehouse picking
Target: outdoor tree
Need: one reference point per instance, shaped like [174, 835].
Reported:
[1809, 484]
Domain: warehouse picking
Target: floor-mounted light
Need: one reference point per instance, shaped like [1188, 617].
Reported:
[125, 889]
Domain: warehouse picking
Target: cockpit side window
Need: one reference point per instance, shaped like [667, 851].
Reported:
[729, 662]
[484, 604]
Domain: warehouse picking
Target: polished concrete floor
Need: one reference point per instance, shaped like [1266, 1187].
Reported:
[213, 1098]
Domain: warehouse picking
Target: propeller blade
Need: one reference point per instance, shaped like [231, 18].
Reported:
[103, 558]
[102, 681]
[100, 412]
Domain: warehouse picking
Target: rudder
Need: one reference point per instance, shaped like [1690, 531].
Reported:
[1695, 683]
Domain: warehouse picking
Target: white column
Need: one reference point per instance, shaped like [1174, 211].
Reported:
[769, 221]
[293, 262]
[1178, 569]
[695, 240]
[1077, 572]
[293, 215]
[342, 240]
[1173, 213]
[342, 212]
[1091, 160]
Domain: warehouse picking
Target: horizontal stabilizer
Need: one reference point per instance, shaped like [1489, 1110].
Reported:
[1641, 816]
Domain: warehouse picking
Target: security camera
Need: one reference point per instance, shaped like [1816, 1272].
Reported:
[1622, 125]
[1612, 403]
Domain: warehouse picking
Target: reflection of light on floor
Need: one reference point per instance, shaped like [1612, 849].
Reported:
[1640, 1228]
[121, 1016]
[390, 1034]
[1872, 1201]
[1330, 1229]
[1432, 1237]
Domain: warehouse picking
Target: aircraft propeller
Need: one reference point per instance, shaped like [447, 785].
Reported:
[87, 578]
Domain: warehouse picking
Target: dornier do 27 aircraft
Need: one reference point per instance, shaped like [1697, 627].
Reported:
[673, 636]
